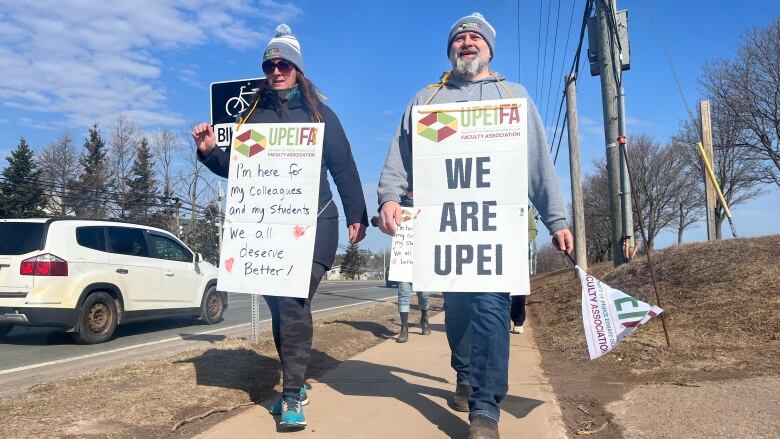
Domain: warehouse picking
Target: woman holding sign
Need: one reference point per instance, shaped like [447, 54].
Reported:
[287, 96]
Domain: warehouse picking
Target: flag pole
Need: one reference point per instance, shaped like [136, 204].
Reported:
[644, 240]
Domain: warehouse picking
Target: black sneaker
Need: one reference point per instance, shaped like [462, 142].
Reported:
[460, 399]
[482, 427]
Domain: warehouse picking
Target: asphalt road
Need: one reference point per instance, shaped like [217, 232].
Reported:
[32, 355]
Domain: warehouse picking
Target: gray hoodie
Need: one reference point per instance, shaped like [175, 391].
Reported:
[543, 189]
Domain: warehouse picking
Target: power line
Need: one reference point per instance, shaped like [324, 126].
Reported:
[575, 67]
[546, 39]
[552, 64]
[671, 65]
[519, 79]
[538, 51]
[75, 195]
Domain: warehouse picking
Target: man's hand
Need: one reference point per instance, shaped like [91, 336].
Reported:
[563, 241]
[390, 217]
[357, 232]
[204, 138]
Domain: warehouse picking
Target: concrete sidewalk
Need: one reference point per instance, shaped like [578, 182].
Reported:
[400, 391]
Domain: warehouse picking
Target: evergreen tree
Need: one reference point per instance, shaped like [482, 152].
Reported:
[87, 195]
[21, 192]
[141, 197]
[352, 267]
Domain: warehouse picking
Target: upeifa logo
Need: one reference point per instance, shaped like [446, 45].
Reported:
[250, 142]
[437, 126]
[469, 26]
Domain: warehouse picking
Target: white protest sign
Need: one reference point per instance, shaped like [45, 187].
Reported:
[471, 196]
[271, 212]
[609, 315]
[402, 254]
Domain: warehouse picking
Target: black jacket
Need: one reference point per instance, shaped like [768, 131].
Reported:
[336, 158]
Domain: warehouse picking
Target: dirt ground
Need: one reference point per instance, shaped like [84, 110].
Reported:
[147, 399]
[720, 378]
[721, 304]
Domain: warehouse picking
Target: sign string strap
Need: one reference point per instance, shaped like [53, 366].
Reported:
[501, 83]
[444, 78]
[324, 207]
[242, 119]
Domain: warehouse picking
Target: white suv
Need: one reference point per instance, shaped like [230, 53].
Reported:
[89, 276]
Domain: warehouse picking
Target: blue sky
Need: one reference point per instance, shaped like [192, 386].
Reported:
[67, 64]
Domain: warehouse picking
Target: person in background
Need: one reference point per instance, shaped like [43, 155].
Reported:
[517, 311]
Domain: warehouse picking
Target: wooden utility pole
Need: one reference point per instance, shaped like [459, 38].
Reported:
[580, 249]
[609, 99]
[709, 187]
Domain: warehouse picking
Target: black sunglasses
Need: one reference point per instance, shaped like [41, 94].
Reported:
[284, 67]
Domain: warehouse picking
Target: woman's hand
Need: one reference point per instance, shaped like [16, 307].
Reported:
[357, 232]
[204, 138]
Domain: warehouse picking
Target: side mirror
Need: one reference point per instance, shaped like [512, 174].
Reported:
[198, 258]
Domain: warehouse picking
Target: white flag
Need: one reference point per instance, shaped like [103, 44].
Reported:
[609, 315]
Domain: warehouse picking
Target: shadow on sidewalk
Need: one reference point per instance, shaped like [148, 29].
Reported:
[360, 378]
[240, 369]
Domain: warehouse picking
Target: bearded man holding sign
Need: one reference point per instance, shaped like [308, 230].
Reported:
[476, 163]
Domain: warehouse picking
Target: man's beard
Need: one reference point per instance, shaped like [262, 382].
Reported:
[467, 68]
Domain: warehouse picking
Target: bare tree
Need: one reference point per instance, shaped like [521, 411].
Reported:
[656, 172]
[123, 141]
[59, 164]
[738, 170]
[166, 146]
[747, 90]
[198, 186]
[688, 203]
[550, 259]
[598, 230]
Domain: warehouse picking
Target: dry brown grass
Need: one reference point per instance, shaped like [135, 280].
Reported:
[722, 310]
[146, 399]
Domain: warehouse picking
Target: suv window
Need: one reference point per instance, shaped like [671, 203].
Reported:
[166, 248]
[91, 237]
[20, 238]
[127, 241]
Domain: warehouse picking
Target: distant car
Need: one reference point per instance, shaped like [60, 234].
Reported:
[89, 276]
[389, 283]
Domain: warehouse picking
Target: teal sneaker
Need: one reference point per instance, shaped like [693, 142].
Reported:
[276, 408]
[292, 411]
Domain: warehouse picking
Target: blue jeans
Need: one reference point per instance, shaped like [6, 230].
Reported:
[484, 318]
[405, 296]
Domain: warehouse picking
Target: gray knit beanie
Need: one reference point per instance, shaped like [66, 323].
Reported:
[284, 45]
[474, 23]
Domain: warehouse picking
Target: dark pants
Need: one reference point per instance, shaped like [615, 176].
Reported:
[484, 364]
[517, 313]
[292, 328]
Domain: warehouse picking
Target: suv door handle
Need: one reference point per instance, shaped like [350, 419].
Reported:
[122, 270]
[169, 273]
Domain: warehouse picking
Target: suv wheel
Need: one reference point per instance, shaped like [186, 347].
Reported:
[98, 319]
[213, 306]
[5, 329]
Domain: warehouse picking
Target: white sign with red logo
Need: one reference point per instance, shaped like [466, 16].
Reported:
[609, 315]
[402, 253]
[471, 196]
[271, 211]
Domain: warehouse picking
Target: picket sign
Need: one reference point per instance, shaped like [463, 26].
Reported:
[271, 212]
